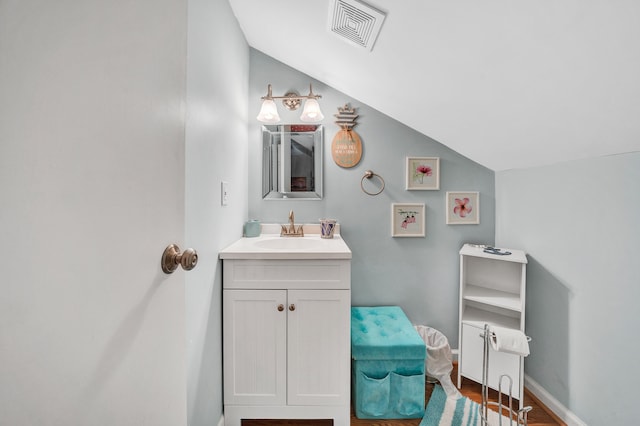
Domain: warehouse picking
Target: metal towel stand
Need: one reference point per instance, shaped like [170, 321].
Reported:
[519, 416]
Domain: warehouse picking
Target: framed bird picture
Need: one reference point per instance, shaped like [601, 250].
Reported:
[407, 220]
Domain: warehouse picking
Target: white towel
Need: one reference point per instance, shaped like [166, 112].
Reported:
[509, 340]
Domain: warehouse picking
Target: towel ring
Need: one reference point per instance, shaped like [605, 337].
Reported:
[368, 175]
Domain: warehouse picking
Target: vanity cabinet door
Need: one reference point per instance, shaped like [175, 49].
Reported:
[254, 346]
[319, 347]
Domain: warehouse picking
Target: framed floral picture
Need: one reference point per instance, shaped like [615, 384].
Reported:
[463, 208]
[423, 173]
[407, 220]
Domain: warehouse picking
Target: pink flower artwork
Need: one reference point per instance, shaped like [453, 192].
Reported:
[423, 170]
[463, 207]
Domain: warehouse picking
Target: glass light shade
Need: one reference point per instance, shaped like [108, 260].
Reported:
[268, 112]
[311, 111]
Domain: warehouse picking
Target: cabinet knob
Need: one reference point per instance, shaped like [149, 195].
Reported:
[280, 307]
[292, 307]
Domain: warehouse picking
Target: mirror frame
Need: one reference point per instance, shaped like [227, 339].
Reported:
[276, 161]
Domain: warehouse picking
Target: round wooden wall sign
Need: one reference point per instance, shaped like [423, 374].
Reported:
[346, 148]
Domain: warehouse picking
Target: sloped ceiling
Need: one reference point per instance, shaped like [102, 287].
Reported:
[509, 84]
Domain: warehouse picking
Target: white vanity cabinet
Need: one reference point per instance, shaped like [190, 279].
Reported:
[286, 339]
[492, 291]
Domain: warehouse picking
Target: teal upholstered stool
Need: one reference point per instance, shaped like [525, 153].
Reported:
[388, 358]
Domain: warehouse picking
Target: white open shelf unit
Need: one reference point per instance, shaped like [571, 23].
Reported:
[492, 291]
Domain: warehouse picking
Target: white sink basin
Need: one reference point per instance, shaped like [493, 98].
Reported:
[273, 246]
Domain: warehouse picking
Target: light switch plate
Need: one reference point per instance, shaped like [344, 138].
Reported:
[224, 200]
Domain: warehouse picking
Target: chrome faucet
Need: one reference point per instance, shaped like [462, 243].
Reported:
[291, 230]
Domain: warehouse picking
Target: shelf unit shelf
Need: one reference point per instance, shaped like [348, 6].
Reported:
[479, 317]
[497, 298]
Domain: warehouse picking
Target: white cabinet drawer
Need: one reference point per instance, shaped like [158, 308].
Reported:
[287, 274]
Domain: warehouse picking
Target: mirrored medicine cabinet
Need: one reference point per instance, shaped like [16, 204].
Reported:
[292, 161]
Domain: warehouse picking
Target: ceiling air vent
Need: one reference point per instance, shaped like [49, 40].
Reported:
[355, 22]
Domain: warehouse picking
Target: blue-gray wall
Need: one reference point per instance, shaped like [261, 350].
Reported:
[216, 150]
[578, 221]
[418, 274]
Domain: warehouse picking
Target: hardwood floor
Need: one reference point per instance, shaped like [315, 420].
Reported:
[539, 415]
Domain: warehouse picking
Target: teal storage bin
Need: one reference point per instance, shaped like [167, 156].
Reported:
[388, 358]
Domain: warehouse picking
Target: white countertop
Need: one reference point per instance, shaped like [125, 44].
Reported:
[273, 246]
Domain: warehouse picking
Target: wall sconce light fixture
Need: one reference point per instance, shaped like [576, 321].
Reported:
[310, 113]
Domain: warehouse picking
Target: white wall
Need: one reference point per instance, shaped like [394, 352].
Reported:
[217, 85]
[578, 222]
[418, 274]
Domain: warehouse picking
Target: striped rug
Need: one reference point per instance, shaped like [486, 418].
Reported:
[443, 411]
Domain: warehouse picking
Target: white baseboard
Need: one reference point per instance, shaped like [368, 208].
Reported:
[454, 354]
[221, 422]
[551, 403]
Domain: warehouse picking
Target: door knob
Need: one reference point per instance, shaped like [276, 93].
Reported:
[292, 307]
[171, 258]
